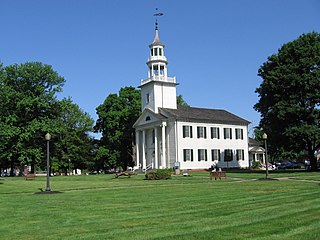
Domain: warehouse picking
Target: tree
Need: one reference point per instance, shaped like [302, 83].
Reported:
[73, 148]
[181, 101]
[116, 117]
[27, 107]
[290, 98]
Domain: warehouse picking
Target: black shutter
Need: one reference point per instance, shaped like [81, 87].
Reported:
[184, 155]
[190, 131]
[205, 132]
[191, 155]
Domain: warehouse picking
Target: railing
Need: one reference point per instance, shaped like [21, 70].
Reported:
[159, 78]
[157, 58]
[148, 167]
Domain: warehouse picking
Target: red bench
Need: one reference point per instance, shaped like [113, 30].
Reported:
[30, 176]
[126, 174]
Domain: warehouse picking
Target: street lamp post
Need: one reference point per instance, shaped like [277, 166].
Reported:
[48, 138]
[265, 136]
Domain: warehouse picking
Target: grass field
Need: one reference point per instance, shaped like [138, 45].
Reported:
[102, 207]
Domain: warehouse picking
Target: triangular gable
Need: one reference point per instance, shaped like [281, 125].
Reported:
[256, 149]
[147, 117]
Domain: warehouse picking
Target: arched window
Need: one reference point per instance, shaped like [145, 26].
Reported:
[148, 118]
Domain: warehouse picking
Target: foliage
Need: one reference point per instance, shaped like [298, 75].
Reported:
[73, 148]
[29, 108]
[159, 174]
[258, 132]
[116, 117]
[181, 101]
[256, 164]
[290, 98]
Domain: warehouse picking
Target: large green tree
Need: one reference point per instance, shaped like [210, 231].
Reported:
[73, 145]
[116, 117]
[290, 98]
[29, 108]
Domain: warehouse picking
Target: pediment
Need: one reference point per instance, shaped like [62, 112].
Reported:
[148, 117]
[256, 149]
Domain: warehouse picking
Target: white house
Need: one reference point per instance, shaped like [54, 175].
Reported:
[256, 152]
[170, 136]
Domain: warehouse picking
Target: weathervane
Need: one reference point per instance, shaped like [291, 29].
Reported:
[157, 14]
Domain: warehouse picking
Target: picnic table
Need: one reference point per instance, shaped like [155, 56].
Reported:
[217, 174]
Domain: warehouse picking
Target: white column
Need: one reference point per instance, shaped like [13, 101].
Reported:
[156, 164]
[159, 71]
[137, 150]
[144, 162]
[164, 160]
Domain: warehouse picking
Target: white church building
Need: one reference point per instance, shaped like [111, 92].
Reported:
[169, 136]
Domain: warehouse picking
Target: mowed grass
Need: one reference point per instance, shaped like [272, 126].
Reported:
[102, 207]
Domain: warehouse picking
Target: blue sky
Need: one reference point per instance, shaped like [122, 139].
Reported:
[214, 47]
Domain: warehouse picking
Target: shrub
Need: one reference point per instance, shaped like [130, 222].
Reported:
[255, 164]
[159, 174]
[150, 176]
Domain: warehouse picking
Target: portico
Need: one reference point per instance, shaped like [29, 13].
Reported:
[151, 146]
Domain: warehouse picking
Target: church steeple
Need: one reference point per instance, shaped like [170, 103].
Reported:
[157, 62]
[158, 90]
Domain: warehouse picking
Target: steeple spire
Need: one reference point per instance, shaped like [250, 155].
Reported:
[156, 37]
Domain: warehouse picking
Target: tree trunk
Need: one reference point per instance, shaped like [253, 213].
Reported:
[313, 159]
[11, 168]
[32, 168]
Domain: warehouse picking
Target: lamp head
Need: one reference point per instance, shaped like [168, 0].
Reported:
[264, 136]
[47, 137]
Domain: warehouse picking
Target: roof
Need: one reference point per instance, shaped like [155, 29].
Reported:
[253, 142]
[156, 41]
[203, 115]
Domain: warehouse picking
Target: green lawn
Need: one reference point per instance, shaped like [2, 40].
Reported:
[101, 207]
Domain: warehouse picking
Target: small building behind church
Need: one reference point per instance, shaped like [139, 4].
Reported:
[169, 136]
